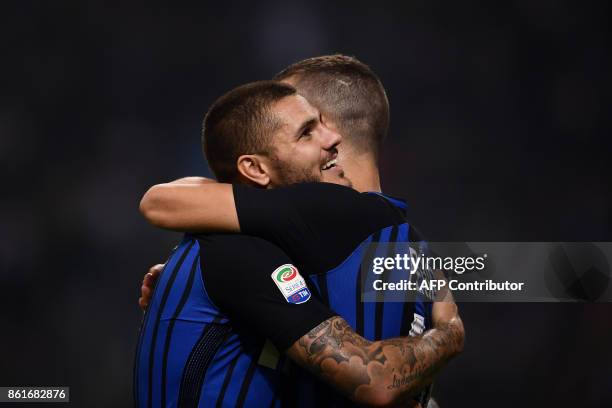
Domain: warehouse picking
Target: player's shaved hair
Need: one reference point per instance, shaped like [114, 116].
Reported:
[241, 122]
[349, 92]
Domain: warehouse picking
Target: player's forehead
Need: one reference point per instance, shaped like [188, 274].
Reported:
[305, 89]
[292, 111]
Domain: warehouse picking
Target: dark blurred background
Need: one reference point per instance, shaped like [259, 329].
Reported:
[500, 131]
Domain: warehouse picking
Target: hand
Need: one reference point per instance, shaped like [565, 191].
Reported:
[444, 312]
[148, 283]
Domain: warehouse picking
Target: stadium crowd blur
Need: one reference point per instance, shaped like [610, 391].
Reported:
[500, 126]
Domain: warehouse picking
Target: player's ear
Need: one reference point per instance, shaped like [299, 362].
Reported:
[255, 168]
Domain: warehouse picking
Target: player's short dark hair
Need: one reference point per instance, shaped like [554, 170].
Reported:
[348, 91]
[241, 122]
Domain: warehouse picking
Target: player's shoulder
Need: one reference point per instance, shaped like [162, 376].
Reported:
[345, 191]
[310, 192]
[334, 193]
[319, 188]
[392, 204]
[379, 207]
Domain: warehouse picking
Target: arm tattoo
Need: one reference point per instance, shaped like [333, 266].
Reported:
[356, 366]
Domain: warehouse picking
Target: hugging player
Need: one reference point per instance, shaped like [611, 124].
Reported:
[264, 135]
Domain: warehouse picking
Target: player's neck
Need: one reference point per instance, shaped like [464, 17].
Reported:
[362, 171]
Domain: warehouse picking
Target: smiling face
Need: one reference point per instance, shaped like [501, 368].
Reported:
[304, 149]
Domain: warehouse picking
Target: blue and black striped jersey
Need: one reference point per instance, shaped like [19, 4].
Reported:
[204, 340]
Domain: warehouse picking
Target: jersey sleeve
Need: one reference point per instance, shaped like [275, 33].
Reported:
[256, 285]
[316, 224]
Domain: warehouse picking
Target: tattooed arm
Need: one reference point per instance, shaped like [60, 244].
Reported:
[377, 373]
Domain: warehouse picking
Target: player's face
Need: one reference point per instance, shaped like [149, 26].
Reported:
[326, 121]
[304, 149]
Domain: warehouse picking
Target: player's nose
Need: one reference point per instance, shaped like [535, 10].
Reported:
[331, 138]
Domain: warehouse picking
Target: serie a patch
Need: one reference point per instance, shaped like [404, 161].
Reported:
[291, 284]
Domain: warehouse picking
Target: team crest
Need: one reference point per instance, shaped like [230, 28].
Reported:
[291, 284]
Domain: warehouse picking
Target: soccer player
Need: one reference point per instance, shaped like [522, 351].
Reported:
[374, 321]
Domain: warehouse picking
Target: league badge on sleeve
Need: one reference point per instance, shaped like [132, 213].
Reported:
[291, 284]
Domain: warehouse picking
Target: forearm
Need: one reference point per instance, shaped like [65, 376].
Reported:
[377, 373]
[191, 204]
[414, 361]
